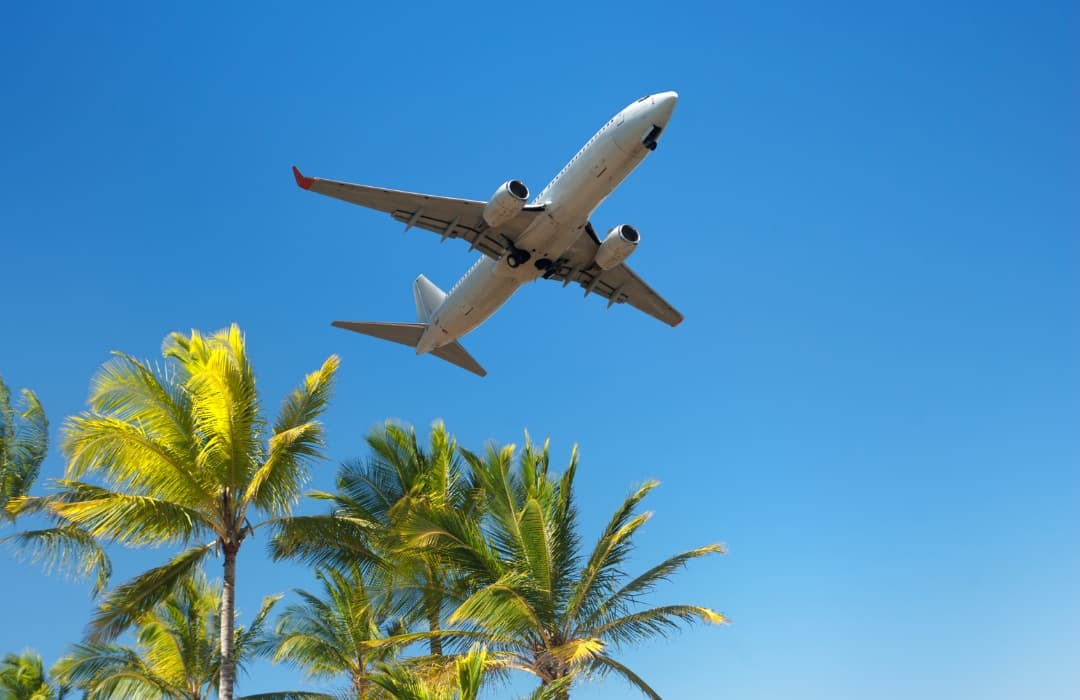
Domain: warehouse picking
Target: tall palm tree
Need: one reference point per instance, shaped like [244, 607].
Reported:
[24, 440]
[373, 498]
[22, 677]
[348, 630]
[186, 453]
[556, 611]
[177, 654]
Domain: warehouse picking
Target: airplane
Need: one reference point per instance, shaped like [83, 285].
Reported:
[521, 241]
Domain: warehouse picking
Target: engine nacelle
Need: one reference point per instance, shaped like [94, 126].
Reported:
[619, 243]
[506, 203]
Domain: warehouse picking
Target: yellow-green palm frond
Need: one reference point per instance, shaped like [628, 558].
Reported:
[127, 519]
[129, 602]
[503, 610]
[22, 676]
[225, 408]
[67, 549]
[296, 439]
[577, 651]
[105, 671]
[657, 621]
[611, 607]
[132, 457]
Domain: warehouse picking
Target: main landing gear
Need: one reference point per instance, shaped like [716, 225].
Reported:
[516, 256]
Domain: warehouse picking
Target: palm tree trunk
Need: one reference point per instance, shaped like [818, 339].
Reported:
[433, 626]
[228, 616]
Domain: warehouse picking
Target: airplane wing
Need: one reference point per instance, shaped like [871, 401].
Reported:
[448, 217]
[619, 285]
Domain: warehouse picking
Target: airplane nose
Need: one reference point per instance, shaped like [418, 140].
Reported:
[663, 106]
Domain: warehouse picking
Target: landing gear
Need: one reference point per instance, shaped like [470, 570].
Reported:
[517, 256]
[549, 266]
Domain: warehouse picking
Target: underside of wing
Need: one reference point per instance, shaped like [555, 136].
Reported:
[619, 285]
[448, 217]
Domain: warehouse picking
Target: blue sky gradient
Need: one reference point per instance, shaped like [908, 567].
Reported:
[868, 213]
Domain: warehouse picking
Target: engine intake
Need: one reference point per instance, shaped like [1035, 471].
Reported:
[506, 203]
[618, 245]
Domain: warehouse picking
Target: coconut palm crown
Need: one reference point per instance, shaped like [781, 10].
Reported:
[544, 605]
[177, 653]
[188, 459]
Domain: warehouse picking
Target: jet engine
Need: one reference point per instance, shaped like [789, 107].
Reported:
[619, 243]
[506, 203]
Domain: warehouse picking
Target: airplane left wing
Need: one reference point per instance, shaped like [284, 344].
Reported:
[619, 285]
[448, 217]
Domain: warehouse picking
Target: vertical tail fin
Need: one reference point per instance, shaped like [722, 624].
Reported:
[428, 298]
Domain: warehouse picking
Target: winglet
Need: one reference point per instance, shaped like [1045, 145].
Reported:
[304, 182]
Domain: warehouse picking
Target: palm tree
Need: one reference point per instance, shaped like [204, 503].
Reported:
[184, 452]
[22, 677]
[556, 613]
[24, 440]
[347, 631]
[177, 654]
[373, 498]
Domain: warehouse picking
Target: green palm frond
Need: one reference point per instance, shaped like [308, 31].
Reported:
[654, 622]
[602, 570]
[643, 584]
[322, 540]
[105, 671]
[602, 665]
[292, 695]
[125, 604]
[24, 441]
[22, 677]
[67, 549]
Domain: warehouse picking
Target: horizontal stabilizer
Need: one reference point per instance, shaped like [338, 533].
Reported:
[410, 334]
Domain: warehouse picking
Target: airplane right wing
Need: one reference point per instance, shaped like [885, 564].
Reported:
[448, 217]
[619, 285]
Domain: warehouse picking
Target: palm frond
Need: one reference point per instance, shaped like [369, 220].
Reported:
[602, 665]
[130, 520]
[291, 695]
[24, 441]
[602, 570]
[654, 622]
[130, 454]
[296, 439]
[322, 540]
[124, 605]
[106, 671]
[67, 549]
[643, 584]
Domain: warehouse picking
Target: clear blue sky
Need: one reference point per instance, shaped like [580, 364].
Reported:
[868, 213]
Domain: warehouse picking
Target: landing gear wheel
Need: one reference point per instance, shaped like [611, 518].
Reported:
[517, 256]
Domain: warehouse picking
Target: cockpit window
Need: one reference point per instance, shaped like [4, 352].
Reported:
[643, 98]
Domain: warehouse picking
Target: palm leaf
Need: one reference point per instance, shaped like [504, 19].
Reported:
[297, 437]
[68, 549]
[135, 598]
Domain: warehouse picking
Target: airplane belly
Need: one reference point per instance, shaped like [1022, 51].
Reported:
[479, 296]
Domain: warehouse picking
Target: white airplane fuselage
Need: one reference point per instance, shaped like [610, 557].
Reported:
[568, 201]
